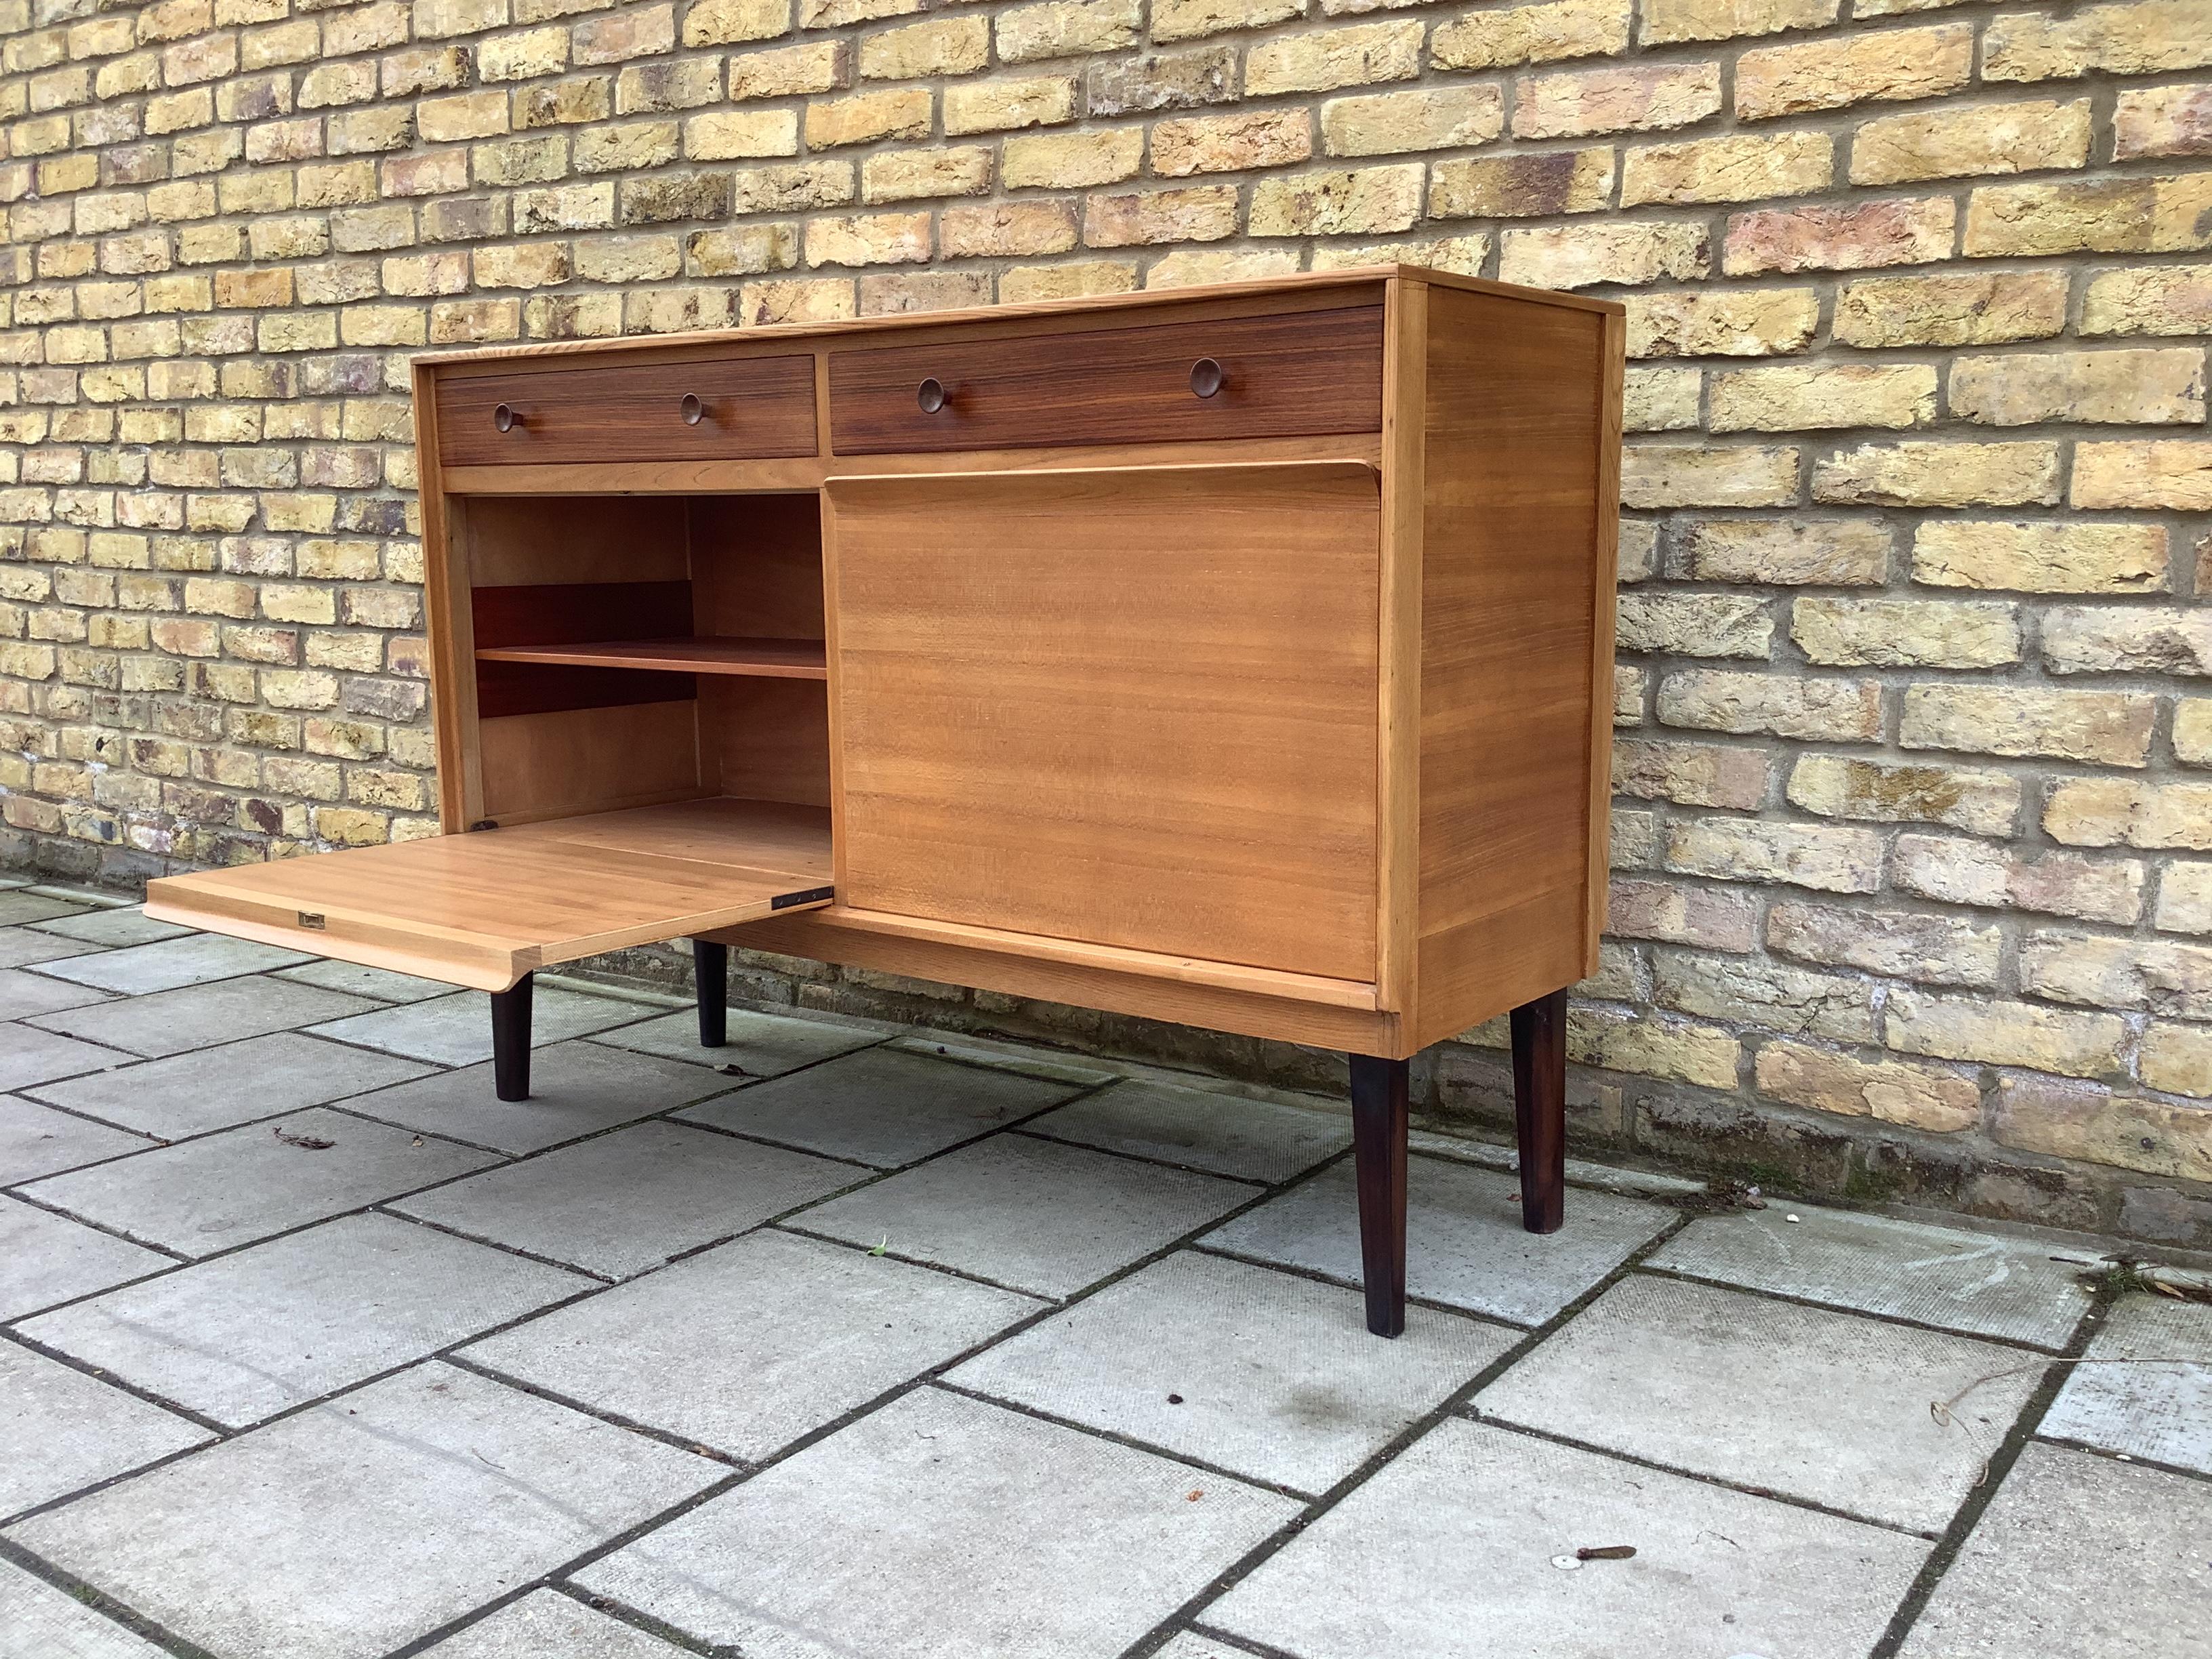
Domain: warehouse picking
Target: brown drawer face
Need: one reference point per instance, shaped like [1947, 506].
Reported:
[746, 408]
[1300, 375]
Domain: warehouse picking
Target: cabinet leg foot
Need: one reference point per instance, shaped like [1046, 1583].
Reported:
[510, 1040]
[1539, 1109]
[710, 967]
[1378, 1152]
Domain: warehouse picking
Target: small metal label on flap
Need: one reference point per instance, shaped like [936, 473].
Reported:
[309, 919]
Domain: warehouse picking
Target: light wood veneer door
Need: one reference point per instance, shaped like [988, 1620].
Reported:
[1132, 707]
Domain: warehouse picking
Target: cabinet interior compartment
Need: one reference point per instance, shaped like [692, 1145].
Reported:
[635, 650]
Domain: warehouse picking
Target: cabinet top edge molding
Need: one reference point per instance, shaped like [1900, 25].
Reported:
[1305, 285]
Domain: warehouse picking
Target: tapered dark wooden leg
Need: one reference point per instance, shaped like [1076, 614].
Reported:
[1539, 1109]
[510, 1040]
[710, 966]
[1378, 1153]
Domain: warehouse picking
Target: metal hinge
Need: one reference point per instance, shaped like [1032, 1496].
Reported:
[812, 895]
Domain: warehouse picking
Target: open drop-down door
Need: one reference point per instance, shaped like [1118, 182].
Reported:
[483, 909]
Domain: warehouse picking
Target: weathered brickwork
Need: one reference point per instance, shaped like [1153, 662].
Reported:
[1914, 835]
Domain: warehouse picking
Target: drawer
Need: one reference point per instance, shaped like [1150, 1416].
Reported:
[1298, 375]
[699, 409]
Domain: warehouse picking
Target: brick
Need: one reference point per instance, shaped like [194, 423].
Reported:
[1769, 995]
[1362, 201]
[1833, 552]
[792, 300]
[1008, 229]
[1660, 399]
[1393, 123]
[1850, 238]
[2129, 215]
[1695, 624]
[791, 189]
[1669, 21]
[1941, 475]
[1537, 33]
[901, 112]
[1183, 20]
[740, 251]
[2121, 812]
[1956, 871]
[1951, 309]
[910, 175]
[2192, 731]
[1740, 167]
[2109, 727]
[1669, 911]
[945, 45]
[2159, 300]
[1690, 773]
[1828, 857]
[1798, 399]
[1028, 283]
[1569, 105]
[2162, 121]
[1885, 64]
[868, 239]
[1193, 265]
[2178, 1059]
[1985, 139]
[1324, 59]
[1890, 1091]
[1203, 213]
[2099, 970]
[2176, 474]
[2084, 557]
[784, 72]
[2095, 640]
[727, 135]
[2184, 899]
[728, 22]
[1943, 1027]
[1466, 255]
[1905, 633]
[1838, 785]
[1067, 28]
[1702, 475]
[894, 292]
[2037, 1115]
[1619, 1042]
[1185, 79]
[1070, 161]
[1629, 251]
[1940, 949]
[1542, 183]
[1230, 144]
[2138, 37]
[1714, 700]
[1008, 105]
[1725, 322]
[2121, 386]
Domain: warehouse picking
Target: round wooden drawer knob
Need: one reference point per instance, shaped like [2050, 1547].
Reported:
[1206, 378]
[691, 408]
[506, 417]
[930, 395]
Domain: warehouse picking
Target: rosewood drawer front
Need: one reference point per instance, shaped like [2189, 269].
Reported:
[714, 409]
[1299, 375]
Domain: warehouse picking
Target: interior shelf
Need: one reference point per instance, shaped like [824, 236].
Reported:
[775, 660]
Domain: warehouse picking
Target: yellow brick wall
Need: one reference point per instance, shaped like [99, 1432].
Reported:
[1915, 691]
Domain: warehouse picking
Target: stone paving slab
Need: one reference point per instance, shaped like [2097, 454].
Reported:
[1447, 1554]
[1265, 1375]
[1191, 1645]
[36, 1140]
[994, 1052]
[169, 965]
[1980, 1284]
[2160, 1412]
[754, 1343]
[1220, 1133]
[944, 1526]
[51, 1623]
[1465, 1244]
[623, 1203]
[24, 993]
[29, 1056]
[240, 1339]
[342, 1531]
[379, 984]
[22, 946]
[23, 905]
[547, 1624]
[206, 1089]
[1827, 1407]
[760, 1045]
[65, 1430]
[231, 1189]
[576, 1089]
[127, 924]
[201, 1016]
[1032, 1214]
[2078, 1557]
[46, 1258]
[881, 1107]
[455, 1030]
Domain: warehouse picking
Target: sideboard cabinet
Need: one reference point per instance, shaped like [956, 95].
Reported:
[1238, 656]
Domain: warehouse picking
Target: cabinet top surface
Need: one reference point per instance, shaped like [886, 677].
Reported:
[1296, 284]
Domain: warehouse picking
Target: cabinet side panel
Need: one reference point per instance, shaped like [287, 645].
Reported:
[1514, 519]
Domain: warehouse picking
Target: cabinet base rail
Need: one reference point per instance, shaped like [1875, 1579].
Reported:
[1380, 1119]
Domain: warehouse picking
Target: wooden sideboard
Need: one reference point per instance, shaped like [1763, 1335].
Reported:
[1238, 656]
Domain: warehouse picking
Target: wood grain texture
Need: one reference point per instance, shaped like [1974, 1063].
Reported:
[621, 411]
[1135, 708]
[1288, 375]
[507, 689]
[1605, 574]
[768, 739]
[451, 642]
[484, 909]
[589, 760]
[757, 565]
[558, 613]
[1512, 517]
[771, 660]
[530, 541]
[1398, 699]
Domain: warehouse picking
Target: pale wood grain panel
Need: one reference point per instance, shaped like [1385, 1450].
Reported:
[757, 565]
[766, 740]
[484, 909]
[1512, 527]
[450, 640]
[1135, 708]
[531, 541]
[588, 760]
[1405, 388]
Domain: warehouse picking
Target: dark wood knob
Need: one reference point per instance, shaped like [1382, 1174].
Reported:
[691, 408]
[504, 418]
[930, 395]
[1206, 378]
